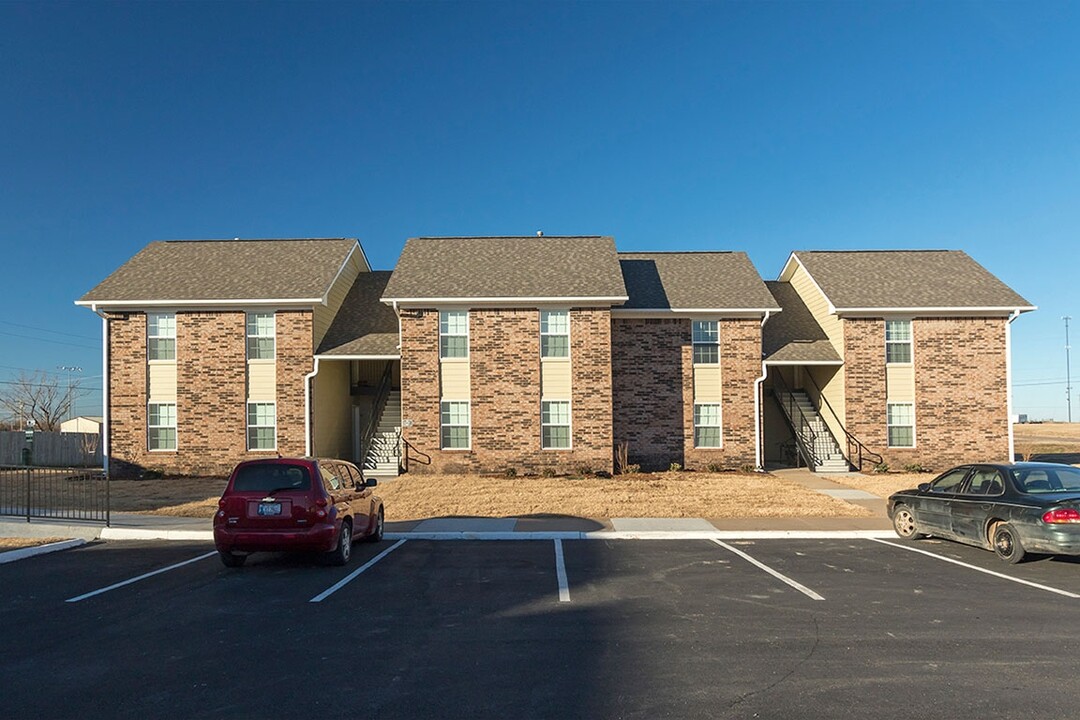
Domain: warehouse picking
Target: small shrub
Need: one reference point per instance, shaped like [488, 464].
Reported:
[748, 468]
[914, 468]
[547, 472]
[675, 467]
[584, 470]
[714, 467]
[622, 457]
[511, 472]
[881, 468]
[632, 469]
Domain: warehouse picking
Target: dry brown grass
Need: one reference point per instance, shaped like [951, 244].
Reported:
[1047, 432]
[883, 484]
[14, 543]
[179, 497]
[674, 495]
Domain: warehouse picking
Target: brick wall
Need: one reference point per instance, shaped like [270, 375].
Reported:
[211, 392]
[961, 410]
[127, 393]
[653, 391]
[504, 361]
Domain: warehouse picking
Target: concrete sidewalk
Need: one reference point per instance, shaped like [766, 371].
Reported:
[131, 526]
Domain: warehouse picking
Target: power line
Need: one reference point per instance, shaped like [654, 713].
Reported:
[46, 340]
[46, 330]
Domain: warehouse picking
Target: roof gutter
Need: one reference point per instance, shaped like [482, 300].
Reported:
[758, 464]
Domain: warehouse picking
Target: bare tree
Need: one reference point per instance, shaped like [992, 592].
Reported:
[39, 397]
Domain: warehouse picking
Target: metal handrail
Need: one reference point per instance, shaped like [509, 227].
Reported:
[805, 437]
[856, 450]
[377, 407]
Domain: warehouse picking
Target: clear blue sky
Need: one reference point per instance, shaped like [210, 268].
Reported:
[762, 127]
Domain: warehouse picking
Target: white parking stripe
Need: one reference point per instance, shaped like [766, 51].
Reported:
[352, 576]
[141, 577]
[1047, 588]
[560, 573]
[783, 578]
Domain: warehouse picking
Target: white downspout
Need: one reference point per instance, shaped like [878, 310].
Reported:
[104, 389]
[307, 407]
[1008, 382]
[757, 405]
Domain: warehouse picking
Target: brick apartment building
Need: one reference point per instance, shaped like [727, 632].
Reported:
[548, 355]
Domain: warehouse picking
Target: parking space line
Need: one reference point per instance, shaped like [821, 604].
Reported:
[560, 573]
[779, 576]
[141, 577]
[352, 576]
[1003, 576]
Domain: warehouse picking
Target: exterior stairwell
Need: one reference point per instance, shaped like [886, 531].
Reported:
[825, 451]
[382, 456]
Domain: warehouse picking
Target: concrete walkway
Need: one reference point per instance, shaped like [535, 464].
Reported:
[130, 526]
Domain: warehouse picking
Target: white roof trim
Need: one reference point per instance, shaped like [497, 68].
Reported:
[106, 304]
[669, 312]
[784, 272]
[345, 264]
[505, 300]
[804, 362]
[324, 356]
[944, 309]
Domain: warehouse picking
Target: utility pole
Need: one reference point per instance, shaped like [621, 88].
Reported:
[1068, 368]
[71, 369]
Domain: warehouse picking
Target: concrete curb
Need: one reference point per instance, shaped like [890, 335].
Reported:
[13, 555]
[114, 533]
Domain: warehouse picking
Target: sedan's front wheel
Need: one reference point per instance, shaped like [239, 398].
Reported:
[1007, 544]
[904, 524]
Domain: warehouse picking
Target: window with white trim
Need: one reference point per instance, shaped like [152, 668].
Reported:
[554, 333]
[555, 424]
[261, 336]
[161, 426]
[897, 341]
[707, 425]
[161, 336]
[706, 337]
[261, 426]
[455, 424]
[900, 419]
[454, 334]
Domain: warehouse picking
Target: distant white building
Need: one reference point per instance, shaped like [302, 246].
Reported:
[82, 424]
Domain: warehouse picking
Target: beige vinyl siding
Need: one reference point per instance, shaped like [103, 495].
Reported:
[332, 434]
[831, 381]
[707, 384]
[900, 383]
[324, 314]
[262, 381]
[818, 305]
[555, 379]
[454, 379]
[162, 381]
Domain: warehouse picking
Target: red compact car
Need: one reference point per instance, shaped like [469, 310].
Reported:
[306, 504]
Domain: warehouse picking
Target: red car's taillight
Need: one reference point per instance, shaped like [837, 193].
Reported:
[1061, 515]
[320, 508]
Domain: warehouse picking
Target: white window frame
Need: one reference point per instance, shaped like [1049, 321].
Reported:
[719, 425]
[249, 426]
[909, 341]
[252, 318]
[444, 316]
[153, 327]
[445, 411]
[150, 427]
[715, 343]
[569, 425]
[545, 320]
[889, 425]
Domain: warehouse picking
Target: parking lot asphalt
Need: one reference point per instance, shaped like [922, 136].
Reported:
[831, 628]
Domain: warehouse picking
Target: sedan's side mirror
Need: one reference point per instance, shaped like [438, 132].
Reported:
[371, 482]
[924, 487]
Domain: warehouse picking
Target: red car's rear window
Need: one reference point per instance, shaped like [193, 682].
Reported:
[271, 477]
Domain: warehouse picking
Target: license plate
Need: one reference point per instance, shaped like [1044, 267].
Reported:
[270, 508]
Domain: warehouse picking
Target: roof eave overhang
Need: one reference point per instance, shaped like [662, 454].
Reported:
[324, 356]
[835, 363]
[692, 312]
[105, 305]
[943, 311]
[506, 301]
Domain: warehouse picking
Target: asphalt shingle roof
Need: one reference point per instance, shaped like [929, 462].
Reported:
[198, 270]
[907, 279]
[507, 267]
[693, 280]
[794, 335]
[364, 325]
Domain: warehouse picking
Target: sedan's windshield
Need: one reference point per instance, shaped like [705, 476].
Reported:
[1048, 480]
[271, 476]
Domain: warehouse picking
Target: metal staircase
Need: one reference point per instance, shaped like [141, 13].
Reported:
[382, 451]
[817, 446]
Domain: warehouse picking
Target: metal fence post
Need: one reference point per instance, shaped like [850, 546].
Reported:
[27, 494]
[108, 501]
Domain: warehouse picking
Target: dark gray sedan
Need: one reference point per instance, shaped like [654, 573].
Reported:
[1010, 509]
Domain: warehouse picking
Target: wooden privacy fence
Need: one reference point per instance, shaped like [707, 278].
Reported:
[50, 449]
